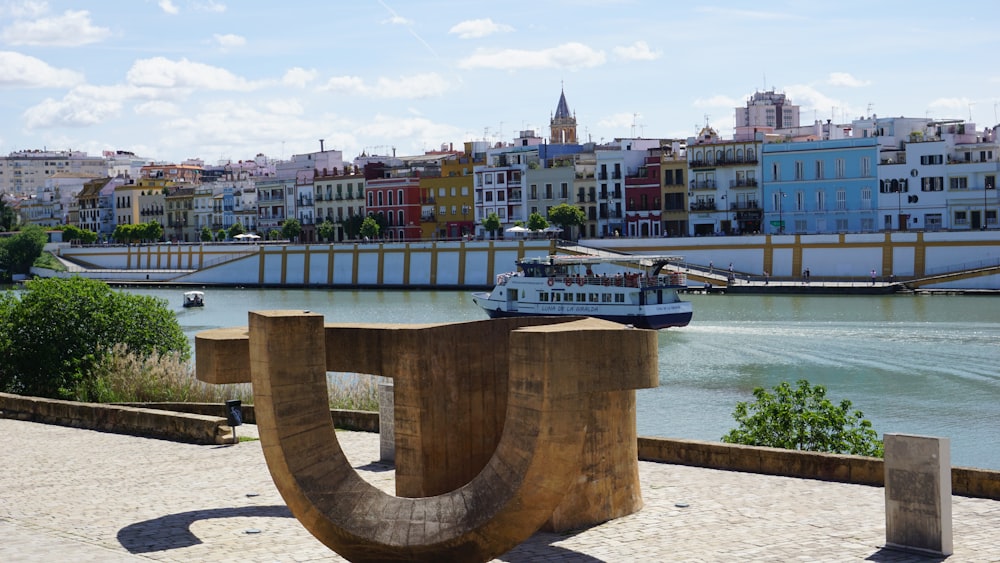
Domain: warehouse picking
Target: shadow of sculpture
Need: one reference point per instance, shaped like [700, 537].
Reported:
[502, 427]
[173, 531]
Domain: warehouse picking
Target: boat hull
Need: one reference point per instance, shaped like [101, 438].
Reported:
[672, 319]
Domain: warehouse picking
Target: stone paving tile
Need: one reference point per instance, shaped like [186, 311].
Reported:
[82, 496]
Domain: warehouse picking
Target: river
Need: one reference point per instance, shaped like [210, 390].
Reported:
[924, 365]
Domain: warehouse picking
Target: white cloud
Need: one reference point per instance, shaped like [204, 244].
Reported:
[157, 108]
[21, 71]
[229, 40]
[168, 7]
[406, 87]
[160, 72]
[638, 51]
[474, 29]
[210, 6]
[617, 121]
[568, 55]
[284, 107]
[716, 101]
[28, 9]
[811, 100]
[298, 77]
[951, 103]
[345, 85]
[71, 29]
[83, 106]
[846, 79]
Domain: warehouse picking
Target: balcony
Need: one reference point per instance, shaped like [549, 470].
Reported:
[744, 183]
[703, 206]
[702, 184]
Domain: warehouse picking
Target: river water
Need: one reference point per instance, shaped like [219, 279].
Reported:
[924, 365]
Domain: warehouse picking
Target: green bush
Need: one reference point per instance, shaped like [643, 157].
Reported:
[803, 419]
[54, 333]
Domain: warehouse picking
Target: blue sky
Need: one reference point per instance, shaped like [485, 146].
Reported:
[218, 79]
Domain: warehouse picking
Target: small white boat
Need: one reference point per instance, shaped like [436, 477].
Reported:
[194, 299]
[633, 290]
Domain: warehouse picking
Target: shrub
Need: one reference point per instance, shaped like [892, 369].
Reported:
[56, 331]
[803, 419]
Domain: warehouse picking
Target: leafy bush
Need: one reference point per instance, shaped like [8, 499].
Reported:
[803, 419]
[56, 331]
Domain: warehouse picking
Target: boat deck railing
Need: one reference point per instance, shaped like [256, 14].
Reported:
[618, 280]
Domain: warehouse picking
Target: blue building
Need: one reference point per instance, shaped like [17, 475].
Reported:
[820, 187]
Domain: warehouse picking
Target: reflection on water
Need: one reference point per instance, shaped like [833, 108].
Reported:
[913, 364]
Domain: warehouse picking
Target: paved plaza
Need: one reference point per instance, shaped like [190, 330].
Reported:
[83, 496]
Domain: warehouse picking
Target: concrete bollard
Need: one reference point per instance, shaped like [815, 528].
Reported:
[386, 423]
[918, 494]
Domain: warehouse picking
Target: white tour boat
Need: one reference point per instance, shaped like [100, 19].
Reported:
[633, 290]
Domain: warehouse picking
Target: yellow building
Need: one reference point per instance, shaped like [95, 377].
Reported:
[447, 211]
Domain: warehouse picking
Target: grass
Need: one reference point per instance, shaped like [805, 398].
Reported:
[126, 377]
[47, 260]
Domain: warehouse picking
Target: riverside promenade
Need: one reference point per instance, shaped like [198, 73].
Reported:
[84, 496]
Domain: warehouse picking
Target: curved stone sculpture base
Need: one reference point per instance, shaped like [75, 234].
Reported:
[559, 378]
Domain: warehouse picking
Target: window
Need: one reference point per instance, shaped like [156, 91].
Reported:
[441, 192]
[401, 221]
[800, 201]
[489, 196]
[819, 169]
[488, 179]
[932, 184]
[931, 159]
[866, 198]
[820, 200]
[501, 195]
[548, 191]
[668, 177]
[867, 224]
[990, 182]
[866, 166]
[961, 183]
[961, 218]
[399, 197]
[839, 168]
[533, 191]
[564, 190]
[775, 172]
[841, 225]
[799, 170]
[388, 198]
[841, 200]
[380, 198]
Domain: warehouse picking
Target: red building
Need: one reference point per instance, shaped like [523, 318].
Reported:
[394, 201]
[642, 200]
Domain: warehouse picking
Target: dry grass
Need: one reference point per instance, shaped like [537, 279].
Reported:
[125, 377]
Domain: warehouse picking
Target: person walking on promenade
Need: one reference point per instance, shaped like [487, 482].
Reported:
[874, 275]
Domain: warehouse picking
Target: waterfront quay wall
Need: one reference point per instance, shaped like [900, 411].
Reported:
[460, 264]
[468, 264]
[904, 255]
[860, 470]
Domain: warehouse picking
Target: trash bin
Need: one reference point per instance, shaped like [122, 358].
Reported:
[234, 412]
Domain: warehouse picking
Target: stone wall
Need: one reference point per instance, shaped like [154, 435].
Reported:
[859, 470]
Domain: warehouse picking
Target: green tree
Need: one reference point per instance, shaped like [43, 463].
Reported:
[803, 419]
[7, 216]
[57, 330]
[326, 230]
[352, 226]
[205, 235]
[492, 224]
[236, 229]
[370, 228]
[536, 222]
[220, 235]
[151, 231]
[20, 251]
[565, 216]
[291, 229]
[72, 232]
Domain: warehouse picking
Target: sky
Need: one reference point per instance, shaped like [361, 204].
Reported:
[225, 80]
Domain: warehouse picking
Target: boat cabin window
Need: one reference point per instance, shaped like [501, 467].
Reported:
[543, 296]
[557, 297]
[581, 297]
[594, 298]
[619, 298]
[606, 298]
